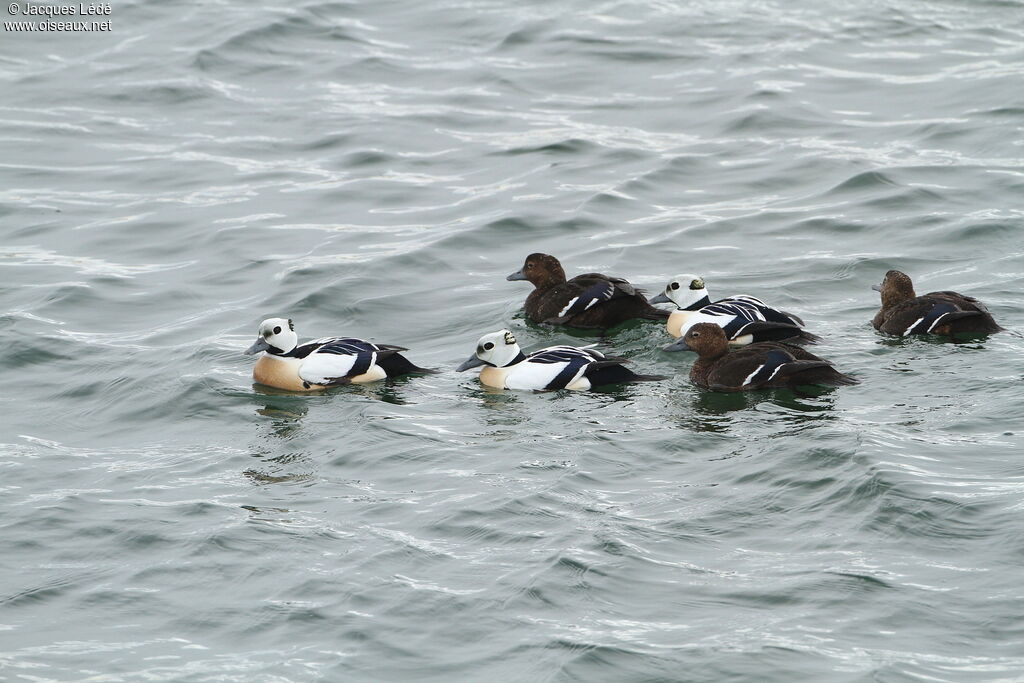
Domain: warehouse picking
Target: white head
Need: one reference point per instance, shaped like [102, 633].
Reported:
[496, 349]
[683, 291]
[276, 336]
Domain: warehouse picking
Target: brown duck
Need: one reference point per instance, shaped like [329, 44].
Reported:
[591, 300]
[761, 365]
[948, 313]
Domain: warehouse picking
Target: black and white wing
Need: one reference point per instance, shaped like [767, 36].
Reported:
[743, 315]
[744, 299]
[731, 316]
[552, 368]
[744, 307]
[740, 371]
[593, 294]
[940, 313]
[761, 310]
[338, 359]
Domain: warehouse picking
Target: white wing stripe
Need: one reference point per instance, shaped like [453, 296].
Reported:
[915, 324]
[568, 306]
[751, 375]
[937, 321]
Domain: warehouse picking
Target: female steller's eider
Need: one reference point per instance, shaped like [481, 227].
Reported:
[745, 319]
[948, 313]
[762, 365]
[550, 369]
[323, 363]
[591, 300]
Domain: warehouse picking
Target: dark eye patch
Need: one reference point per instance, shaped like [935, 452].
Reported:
[277, 330]
[489, 346]
[674, 285]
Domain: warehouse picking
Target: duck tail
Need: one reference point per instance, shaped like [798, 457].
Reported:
[395, 364]
[612, 372]
[827, 376]
[805, 337]
[656, 314]
[648, 378]
[777, 332]
[983, 324]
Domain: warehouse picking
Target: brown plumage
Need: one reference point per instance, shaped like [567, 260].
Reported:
[591, 300]
[761, 365]
[946, 313]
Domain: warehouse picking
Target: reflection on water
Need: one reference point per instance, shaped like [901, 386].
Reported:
[966, 339]
[501, 409]
[618, 392]
[388, 391]
[260, 510]
[713, 411]
[285, 411]
[280, 468]
[262, 478]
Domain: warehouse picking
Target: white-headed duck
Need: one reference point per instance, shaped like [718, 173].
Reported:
[745, 319]
[505, 366]
[323, 363]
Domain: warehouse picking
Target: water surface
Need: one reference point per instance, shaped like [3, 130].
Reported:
[376, 169]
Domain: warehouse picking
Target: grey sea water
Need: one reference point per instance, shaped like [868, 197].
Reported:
[375, 169]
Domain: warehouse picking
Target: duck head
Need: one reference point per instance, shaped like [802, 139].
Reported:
[276, 336]
[542, 270]
[896, 287]
[685, 291]
[707, 340]
[497, 349]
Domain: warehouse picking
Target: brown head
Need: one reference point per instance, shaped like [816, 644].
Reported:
[707, 340]
[895, 288]
[542, 270]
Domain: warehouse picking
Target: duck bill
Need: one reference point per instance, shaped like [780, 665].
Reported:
[877, 288]
[471, 362]
[518, 275]
[678, 345]
[659, 299]
[260, 345]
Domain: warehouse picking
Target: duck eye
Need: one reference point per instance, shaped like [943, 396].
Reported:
[489, 346]
[695, 334]
[277, 330]
[674, 285]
